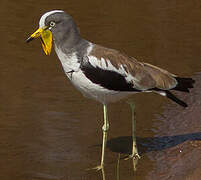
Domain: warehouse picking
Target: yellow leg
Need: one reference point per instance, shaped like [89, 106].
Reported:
[105, 128]
[134, 154]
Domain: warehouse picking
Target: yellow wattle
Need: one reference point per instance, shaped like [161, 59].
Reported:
[46, 40]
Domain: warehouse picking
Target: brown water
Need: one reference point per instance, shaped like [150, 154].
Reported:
[48, 131]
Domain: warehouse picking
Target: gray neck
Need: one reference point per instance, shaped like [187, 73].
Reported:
[68, 39]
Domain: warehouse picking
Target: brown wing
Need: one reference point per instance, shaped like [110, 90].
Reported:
[145, 76]
[164, 80]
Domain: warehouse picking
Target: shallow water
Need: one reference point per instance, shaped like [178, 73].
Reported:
[48, 131]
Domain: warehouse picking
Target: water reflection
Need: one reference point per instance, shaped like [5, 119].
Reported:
[117, 170]
[124, 144]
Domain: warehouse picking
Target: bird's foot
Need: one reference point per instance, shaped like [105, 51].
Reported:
[97, 168]
[133, 156]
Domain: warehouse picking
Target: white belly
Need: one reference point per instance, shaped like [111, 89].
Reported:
[83, 84]
[94, 91]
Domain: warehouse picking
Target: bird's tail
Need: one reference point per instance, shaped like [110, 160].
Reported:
[184, 84]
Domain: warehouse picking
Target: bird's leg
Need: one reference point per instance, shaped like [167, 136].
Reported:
[105, 128]
[134, 154]
[118, 167]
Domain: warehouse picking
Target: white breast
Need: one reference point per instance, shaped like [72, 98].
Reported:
[89, 89]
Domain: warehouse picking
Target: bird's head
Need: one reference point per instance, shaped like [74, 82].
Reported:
[53, 25]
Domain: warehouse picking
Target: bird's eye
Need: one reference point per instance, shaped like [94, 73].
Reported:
[52, 24]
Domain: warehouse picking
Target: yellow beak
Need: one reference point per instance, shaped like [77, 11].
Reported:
[45, 37]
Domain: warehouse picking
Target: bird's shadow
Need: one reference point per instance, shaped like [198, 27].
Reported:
[123, 144]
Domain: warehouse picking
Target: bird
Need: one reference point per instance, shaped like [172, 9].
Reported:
[104, 74]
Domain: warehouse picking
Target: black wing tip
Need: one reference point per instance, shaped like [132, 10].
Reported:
[175, 99]
[184, 84]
